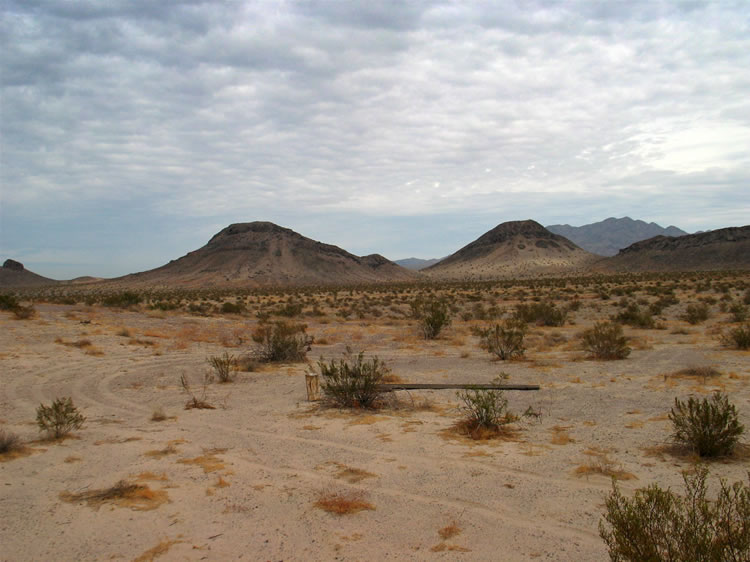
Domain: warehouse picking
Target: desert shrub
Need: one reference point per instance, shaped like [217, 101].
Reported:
[484, 410]
[9, 441]
[746, 297]
[222, 366]
[24, 312]
[352, 381]
[709, 427]
[433, 315]
[60, 418]
[506, 340]
[164, 305]
[738, 338]
[739, 312]
[232, 308]
[125, 299]
[541, 314]
[695, 313]
[606, 341]
[635, 316]
[290, 310]
[8, 302]
[281, 341]
[196, 402]
[657, 524]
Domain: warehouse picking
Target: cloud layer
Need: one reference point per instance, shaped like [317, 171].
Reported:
[134, 130]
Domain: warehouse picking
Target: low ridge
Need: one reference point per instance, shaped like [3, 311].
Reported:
[513, 249]
[726, 248]
[14, 275]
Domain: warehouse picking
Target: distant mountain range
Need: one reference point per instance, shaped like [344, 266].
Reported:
[611, 235]
[263, 254]
[416, 264]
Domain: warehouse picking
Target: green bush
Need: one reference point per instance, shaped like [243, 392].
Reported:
[634, 316]
[24, 312]
[505, 341]
[352, 382]
[606, 341]
[8, 302]
[282, 341]
[657, 524]
[232, 308]
[433, 315]
[738, 338]
[484, 410]
[709, 427]
[541, 314]
[739, 312]
[60, 418]
[695, 313]
[222, 366]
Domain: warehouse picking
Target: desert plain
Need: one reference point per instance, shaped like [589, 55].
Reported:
[251, 478]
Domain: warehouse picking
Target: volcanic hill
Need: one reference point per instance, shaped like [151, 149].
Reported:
[513, 249]
[264, 254]
[609, 236]
[14, 275]
[726, 248]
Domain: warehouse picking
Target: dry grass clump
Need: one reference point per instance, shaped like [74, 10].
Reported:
[123, 494]
[449, 531]
[158, 415]
[343, 502]
[703, 372]
[152, 553]
[208, 461]
[352, 475]
[602, 465]
[9, 442]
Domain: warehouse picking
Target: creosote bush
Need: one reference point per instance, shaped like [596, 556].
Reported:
[541, 314]
[504, 341]
[222, 366]
[710, 426]
[433, 315]
[352, 381]
[738, 338]
[60, 418]
[282, 341]
[657, 524]
[485, 411]
[695, 313]
[9, 441]
[606, 341]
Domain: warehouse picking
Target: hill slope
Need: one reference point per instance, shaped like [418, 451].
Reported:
[726, 248]
[416, 264]
[609, 236]
[14, 275]
[264, 254]
[513, 249]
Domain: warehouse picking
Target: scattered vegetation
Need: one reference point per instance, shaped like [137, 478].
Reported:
[352, 381]
[222, 366]
[125, 494]
[504, 341]
[710, 426]
[59, 418]
[281, 341]
[606, 341]
[541, 314]
[657, 524]
[125, 299]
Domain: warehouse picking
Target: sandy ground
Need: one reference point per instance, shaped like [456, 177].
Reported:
[241, 481]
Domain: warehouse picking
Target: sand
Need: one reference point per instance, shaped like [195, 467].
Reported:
[247, 479]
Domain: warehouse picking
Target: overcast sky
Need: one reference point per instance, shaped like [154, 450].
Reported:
[134, 130]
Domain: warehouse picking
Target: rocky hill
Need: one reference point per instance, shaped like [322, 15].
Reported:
[264, 254]
[513, 249]
[14, 275]
[416, 264]
[726, 248]
[609, 236]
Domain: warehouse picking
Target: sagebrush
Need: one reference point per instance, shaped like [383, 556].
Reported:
[505, 341]
[281, 341]
[353, 380]
[606, 341]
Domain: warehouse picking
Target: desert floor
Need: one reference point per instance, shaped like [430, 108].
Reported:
[241, 481]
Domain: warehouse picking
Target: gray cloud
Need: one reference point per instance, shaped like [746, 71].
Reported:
[347, 118]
